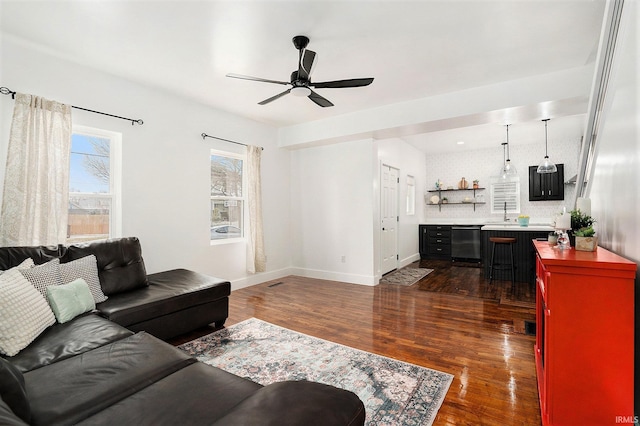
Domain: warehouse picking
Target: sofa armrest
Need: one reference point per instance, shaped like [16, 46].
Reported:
[294, 403]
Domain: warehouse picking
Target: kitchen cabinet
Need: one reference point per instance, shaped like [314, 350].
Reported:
[546, 186]
[435, 241]
[584, 348]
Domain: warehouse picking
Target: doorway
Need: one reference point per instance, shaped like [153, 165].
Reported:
[389, 215]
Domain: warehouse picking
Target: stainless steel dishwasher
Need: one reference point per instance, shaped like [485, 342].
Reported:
[465, 242]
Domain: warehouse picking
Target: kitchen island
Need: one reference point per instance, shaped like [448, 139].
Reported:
[436, 240]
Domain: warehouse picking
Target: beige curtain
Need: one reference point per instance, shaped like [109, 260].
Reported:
[36, 183]
[256, 260]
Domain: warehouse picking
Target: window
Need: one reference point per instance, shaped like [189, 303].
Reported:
[505, 192]
[227, 195]
[94, 185]
[411, 195]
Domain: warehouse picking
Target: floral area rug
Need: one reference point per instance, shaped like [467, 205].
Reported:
[408, 275]
[393, 392]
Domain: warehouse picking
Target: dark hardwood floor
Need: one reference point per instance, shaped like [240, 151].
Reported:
[452, 321]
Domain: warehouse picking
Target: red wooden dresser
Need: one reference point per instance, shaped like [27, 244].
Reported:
[584, 336]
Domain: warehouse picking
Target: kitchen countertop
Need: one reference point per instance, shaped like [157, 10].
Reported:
[535, 225]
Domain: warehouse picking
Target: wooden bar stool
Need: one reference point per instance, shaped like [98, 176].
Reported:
[502, 241]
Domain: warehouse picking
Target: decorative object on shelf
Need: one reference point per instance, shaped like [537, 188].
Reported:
[445, 200]
[546, 166]
[563, 224]
[439, 184]
[476, 184]
[552, 238]
[586, 239]
[463, 184]
[450, 188]
[507, 170]
[434, 199]
[523, 220]
[467, 200]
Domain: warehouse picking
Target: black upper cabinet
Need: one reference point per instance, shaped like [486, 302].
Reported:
[546, 186]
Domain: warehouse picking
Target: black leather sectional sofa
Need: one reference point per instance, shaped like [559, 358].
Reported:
[106, 367]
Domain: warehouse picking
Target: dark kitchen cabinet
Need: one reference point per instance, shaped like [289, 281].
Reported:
[546, 186]
[435, 241]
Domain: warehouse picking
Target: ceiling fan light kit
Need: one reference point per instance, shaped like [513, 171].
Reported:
[546, 166]
[300, 80]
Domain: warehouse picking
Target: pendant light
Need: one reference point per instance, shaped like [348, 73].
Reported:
[509, 168]
[546, 166]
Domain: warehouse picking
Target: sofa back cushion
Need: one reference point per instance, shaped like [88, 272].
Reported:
[13, 256]
[120, 264]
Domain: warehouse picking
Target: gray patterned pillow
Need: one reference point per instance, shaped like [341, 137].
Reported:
[42, 276]
[24, 313]
[87, 269]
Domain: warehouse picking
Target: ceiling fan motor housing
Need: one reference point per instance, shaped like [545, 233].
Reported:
[300, 42]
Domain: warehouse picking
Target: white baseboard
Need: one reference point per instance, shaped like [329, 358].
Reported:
[408, 260]
[260, 278]
[336, 276]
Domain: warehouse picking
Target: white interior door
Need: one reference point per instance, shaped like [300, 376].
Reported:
[389, 214]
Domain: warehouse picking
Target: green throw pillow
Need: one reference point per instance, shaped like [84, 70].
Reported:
[67, 301]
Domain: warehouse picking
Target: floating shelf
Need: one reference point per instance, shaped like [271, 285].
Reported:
[439, 191]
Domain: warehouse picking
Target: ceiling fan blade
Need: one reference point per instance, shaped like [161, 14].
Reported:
[322, 101]
[273, 98]
[264, 80]
[354, 82]
[305, 67]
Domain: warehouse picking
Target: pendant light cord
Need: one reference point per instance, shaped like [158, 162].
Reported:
[546, 149]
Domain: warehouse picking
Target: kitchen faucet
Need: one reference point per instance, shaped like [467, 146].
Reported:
[505, 212]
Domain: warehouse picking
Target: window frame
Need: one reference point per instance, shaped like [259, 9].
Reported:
[513, 202]
[243, 199]
[115, 176]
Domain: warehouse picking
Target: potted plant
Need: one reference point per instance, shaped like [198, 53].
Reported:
[579, 220]
[586, 239]
[476, 184]
[445, 200]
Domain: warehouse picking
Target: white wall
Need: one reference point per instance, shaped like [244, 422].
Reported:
[332, 211]
[410, 161]
[165, 162]
[615, 197]
[481, 164]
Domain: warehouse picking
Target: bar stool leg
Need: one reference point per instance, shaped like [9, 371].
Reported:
[513, 272]
[493, 255]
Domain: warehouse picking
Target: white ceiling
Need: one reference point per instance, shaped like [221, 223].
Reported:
[413, 49]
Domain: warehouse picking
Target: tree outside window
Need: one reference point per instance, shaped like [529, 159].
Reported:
[227, 196]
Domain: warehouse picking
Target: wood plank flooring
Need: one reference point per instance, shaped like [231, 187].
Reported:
[451, 321]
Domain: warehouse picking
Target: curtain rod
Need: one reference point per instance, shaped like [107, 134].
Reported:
[204, 136]
[7, 91]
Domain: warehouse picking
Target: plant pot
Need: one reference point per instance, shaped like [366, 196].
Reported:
[586, 243]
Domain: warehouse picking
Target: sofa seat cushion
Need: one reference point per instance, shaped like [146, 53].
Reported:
[8, 417]
[62, 341]
[78, 387]
[197, 394]
[293, 403]
[168, 292]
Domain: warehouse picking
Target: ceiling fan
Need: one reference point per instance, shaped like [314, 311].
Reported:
[300, 81]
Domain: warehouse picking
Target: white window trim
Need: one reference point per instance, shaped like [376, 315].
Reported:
[115, 164]
[243, 157]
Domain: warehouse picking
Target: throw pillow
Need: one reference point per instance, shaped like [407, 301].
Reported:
[42, 276]
[24, 313]
[87, 269]
[12, 390]
[70, 300]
